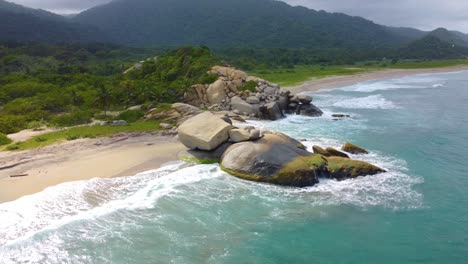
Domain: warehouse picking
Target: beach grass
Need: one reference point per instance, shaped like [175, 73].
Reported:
[429, 64]
[296, 75]
[83, 132]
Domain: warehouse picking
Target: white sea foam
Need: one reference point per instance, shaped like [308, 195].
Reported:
[410, 82]
[63, 204]
[369, 102]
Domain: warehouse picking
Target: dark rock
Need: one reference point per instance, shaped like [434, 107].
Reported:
[353, 149]
[309, 110]
[271, 111]
[283, 102]
[340, 115]
[304, 99]
[336, 153]
[320, 151]
[341, 168]
[276, 159]
[227, 120]
[202, 156]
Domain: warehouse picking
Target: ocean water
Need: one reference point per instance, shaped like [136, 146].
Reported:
[415, 127]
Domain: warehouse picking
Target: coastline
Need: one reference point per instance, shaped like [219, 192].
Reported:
[131, 153]
[84, 159]
[341, 81]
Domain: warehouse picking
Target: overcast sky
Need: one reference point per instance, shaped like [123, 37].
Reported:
[422, 14]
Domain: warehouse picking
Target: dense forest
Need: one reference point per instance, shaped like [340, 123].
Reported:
[68, 85]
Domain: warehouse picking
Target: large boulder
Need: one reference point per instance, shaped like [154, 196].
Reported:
[304, 99]
[239, 135]
[271, 111]
[244, 107]
[342, 168]
[203, 156]
[216, 92]
[320, 151]
[336, 153]
[186, 109]
[275, 158]
[308, 110]
[230, 73]
[204, 131]
[353, 149]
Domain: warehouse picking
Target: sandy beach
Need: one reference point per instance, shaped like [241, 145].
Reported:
[122, 155]
[341, 81]
[125, 154]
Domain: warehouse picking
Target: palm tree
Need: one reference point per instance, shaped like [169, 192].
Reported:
[104, 98]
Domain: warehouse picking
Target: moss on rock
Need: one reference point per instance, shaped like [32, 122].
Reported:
[199, 160]
[353, 149]
[343, 168]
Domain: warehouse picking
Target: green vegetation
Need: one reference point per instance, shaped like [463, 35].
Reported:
[199, 161]
[427, 64]
[68, 85]
[250, 86]
[83, 132]
[4, 140]
[299, 74]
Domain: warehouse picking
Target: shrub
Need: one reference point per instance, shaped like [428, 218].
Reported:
[208, 78]
[11, 124]
[72, 119]
[131, 116]
[250, 86]
[41, 139]
[36, 125]
[4, 140]
[13, 147]
[72, 137]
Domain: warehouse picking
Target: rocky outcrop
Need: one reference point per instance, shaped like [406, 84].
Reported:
[272, 159]
[353, 149]
[264, 156]
[246, 95]
[342, 168]
[336, 153]
[320, 151]
[177, 113]
[202, 156]
[204, 131]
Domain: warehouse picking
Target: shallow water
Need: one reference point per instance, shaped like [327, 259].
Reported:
[415, 127]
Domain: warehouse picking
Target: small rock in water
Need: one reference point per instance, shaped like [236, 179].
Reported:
[336, 153]
[353, 149]
[340, 115]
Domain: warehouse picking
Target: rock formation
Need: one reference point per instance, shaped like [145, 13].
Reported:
[353, 149]
[264, 156]
[250, 96]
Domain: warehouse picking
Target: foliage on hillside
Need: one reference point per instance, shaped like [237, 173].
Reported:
[234, 23]
[66, 86]
[432, 47]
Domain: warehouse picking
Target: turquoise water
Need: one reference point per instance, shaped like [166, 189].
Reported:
[415, 127]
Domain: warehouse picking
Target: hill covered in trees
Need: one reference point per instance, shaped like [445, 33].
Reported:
[235, 23]
[18, 23]
[246, 32]
[47, 87]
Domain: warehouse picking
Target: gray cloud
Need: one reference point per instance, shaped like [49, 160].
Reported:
[61, 6]
[422, 14]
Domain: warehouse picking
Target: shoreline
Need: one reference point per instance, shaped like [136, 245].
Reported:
[84, 159]
[332, 82]
[128, 154]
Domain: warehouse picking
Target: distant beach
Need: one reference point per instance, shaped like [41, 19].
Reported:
[341, 81]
